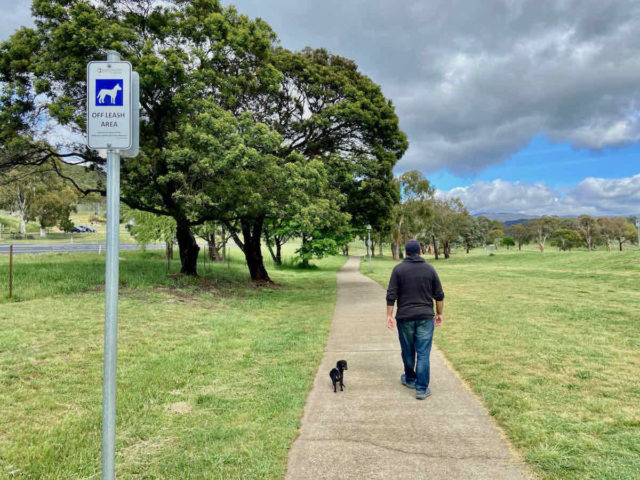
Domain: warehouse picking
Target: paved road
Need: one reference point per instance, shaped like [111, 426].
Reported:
[376, 429]
[32, 248]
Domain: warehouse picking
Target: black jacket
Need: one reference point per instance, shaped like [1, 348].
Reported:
[414, 284]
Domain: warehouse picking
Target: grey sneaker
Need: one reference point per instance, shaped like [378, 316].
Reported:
[403, 379]
[423, 395]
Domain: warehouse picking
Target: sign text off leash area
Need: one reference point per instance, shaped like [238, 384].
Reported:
[109, 105]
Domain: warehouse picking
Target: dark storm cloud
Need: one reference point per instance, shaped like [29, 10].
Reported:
[473, 81]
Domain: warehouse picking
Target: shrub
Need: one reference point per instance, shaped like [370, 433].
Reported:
[66, 225]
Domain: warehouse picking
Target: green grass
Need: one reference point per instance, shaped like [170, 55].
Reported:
[212, 372]
[37, 276]
[551, 343]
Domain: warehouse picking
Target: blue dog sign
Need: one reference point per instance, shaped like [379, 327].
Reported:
[109, 92]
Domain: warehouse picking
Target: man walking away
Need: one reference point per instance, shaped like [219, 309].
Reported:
[414, 284]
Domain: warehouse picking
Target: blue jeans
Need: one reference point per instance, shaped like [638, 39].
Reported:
[415, 340]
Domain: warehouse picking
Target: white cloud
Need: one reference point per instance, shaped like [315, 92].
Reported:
[593, 196]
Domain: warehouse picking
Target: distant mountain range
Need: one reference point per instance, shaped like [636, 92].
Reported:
[510, 219]
[506, 217]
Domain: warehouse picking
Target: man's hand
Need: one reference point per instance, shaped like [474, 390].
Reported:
[438, 319]
[391, 323]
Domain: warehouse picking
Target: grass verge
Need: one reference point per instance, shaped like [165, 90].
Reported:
[550, 342]
[212, 372]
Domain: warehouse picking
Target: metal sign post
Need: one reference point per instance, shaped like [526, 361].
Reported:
[111, 317]
[369, 245]
[111, 94]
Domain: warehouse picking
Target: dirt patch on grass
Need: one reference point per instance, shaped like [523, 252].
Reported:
[144, 448]
[178, 408]
[190, 290]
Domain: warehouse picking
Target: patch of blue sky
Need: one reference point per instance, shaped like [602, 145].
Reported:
[558, 165]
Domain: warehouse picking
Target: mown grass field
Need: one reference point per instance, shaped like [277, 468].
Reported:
[551, 344]
[212, 373]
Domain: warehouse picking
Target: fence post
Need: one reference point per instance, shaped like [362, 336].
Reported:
[10, 271]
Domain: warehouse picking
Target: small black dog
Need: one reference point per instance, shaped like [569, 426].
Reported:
[337, 374]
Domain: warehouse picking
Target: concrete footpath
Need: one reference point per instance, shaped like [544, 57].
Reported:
[376, 429]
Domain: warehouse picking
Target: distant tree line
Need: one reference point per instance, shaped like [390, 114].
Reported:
[584, 231]
[441, 223]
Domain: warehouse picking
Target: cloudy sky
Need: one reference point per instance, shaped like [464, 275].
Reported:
[513, 106]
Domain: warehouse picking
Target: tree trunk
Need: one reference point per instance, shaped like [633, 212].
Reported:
[519, 246]
[223, 246]
[23, 226]
[345, 249]
[188, 248]
[541, 245]
[278, 259]
[380, 248]
[447, 250]
[169, 250]
[305, 260]
[214, 253]
[620, 242]
[373, 247]
[394, 251]
[251, 247]
[43, 232]
[435, 247]
[271, 252]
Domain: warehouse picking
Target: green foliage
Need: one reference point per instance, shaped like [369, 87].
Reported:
[495, 236]
[588, 227]
[53, 204]
[410, 217]
[328, 109]
[520, 234]
[149, 228]
[66, 225]
[450, 219]
[507, 242]
[617, 229]
[566, 239]
[541, 228]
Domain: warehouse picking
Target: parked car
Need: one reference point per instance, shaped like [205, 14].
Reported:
[83, 229]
